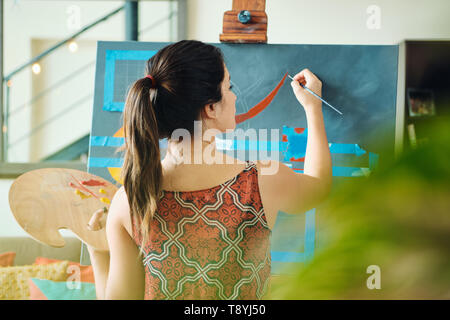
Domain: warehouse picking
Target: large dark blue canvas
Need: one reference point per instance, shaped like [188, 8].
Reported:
[359, 80]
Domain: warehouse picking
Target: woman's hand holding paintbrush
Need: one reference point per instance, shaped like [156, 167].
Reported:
[307, 79]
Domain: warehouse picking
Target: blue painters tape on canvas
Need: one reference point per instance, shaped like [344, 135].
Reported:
[373, 160]
[296, 150]
[350, 172]
[309, 243]
[344, 171]
[285, 256]
[310, 234]
[346, 148]
[130, 54]
[256, 145]
[110, 65]
[223, 144]
[105, 163]
[237, 144]
[106, 141]
[163, 143]
[296, 145]
[118, 162]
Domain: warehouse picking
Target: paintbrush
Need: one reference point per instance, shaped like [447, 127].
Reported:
[316, 95]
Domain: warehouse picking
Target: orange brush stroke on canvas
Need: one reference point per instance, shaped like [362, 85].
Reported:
[260, 106]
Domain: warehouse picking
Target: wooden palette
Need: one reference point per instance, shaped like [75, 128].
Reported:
[46, 200]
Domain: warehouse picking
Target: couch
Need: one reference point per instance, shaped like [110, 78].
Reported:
[27, 249]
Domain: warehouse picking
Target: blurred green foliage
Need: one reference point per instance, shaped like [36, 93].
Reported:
[397, 219]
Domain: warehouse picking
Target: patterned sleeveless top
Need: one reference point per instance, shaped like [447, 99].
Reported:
[209, 244]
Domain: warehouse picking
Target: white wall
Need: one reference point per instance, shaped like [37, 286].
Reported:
[31, 27]
[27, 34]
[290, 21]
[331, 21]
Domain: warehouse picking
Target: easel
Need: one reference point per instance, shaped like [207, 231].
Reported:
[245, 23]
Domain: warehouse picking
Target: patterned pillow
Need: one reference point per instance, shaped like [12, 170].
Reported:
[61, 290]
[86, 273]
[7, 259]
[14, 280]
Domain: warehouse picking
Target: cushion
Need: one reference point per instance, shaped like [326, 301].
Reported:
[7, 259]
[41, 289]
[14, 280]
[86, 272]
[27, 249]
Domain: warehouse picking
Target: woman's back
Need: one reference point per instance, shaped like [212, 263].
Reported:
[200, 177]
[208, 243]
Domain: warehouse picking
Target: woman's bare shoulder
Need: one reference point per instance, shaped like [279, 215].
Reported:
[121, 200]
[227, 159]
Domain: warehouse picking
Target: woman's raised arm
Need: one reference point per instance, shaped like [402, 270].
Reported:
[293, 192]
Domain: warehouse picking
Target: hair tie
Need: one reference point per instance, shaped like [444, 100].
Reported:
[153, 80]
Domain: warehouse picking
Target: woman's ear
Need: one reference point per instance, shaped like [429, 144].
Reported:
[209, 111]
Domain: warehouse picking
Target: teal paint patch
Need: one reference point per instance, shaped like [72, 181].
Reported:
[295, 145]
[287, 256]
[59, 290]
[346, 148]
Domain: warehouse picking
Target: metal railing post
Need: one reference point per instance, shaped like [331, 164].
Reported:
[131, 20]
[6, 124]
[2, 141]
[182, 20]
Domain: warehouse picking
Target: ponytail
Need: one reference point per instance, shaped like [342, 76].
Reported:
[142, 170]
[180, 80]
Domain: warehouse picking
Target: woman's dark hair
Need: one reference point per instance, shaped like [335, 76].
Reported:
[188, 75]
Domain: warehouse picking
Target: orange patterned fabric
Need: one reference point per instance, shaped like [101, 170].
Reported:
[209, 244]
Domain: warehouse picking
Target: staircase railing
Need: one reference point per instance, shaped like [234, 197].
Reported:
[8, 78]
[13, 169]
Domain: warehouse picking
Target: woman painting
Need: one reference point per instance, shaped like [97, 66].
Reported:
[184, 228]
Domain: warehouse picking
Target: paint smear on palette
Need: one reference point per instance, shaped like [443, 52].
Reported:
[79, 191]
[93, 183]
[82, 195]
[81, 188]
[105, 200]
[261, 105]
